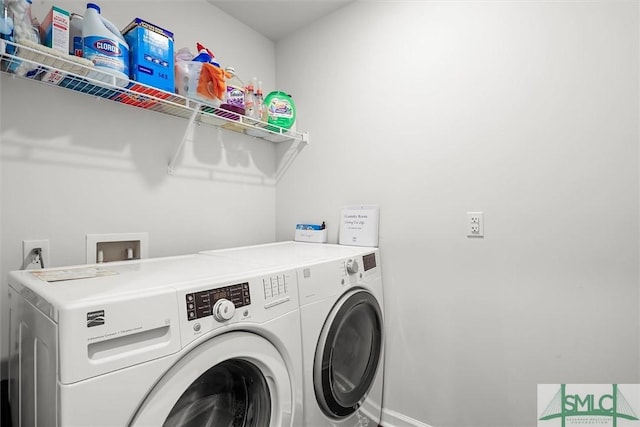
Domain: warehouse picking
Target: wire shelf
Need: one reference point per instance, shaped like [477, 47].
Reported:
[47, 66]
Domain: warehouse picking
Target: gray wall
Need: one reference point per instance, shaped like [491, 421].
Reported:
[527, 111]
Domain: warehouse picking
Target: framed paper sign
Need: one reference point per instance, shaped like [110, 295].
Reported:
[359, 225]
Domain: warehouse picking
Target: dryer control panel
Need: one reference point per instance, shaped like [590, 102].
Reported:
[369, 261]
[201, 304]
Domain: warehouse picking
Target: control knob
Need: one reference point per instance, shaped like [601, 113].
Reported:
[223, 310]
[352, 266]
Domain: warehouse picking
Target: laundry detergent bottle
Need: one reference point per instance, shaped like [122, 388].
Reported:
[234, 98]
[103, 44]
[280, 110]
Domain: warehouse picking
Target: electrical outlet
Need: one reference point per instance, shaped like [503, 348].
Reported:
[475, 224]
[30, 260]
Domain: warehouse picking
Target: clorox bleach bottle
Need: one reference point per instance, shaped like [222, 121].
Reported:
[104, 45]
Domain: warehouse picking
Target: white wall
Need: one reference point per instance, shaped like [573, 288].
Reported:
[71, 164]
[527, 111]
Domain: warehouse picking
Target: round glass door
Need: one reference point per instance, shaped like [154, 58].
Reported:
[237, 379]
[348, 353]
[231, 394]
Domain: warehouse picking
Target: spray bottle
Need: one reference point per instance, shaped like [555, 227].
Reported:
[261, 113]
[250, 99]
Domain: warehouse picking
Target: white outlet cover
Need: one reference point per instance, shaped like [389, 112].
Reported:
[28, 246]
[475, 224]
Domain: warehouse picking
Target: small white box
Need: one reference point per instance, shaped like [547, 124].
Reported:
[55, 30]
[313, 236]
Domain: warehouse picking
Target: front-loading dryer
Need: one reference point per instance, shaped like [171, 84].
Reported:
[342, 318]
[181, 341]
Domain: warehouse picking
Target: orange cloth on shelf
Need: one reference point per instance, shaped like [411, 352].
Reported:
[212, 82]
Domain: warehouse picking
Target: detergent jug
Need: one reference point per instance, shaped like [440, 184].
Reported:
[103, 44]
[234, 97]
[280, 110]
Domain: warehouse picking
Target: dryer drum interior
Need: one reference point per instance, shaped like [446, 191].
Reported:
[233, 393]
[348, 354]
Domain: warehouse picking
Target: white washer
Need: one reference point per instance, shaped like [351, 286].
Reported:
[180, 341]
[341, 309]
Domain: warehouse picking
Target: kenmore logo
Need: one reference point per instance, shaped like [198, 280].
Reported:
[95, 318]
[108, 47]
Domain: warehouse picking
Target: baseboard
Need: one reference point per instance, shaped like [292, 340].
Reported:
[396, 419]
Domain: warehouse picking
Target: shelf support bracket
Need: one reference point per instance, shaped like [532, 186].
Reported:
[188, 135]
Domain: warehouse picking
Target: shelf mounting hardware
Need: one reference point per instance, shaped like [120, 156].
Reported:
[188, 135]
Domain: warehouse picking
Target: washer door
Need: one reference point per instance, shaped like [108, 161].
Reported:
[236, 379]
[348, 353]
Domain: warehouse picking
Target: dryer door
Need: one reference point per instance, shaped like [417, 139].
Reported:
[235, 379]
[348, 353]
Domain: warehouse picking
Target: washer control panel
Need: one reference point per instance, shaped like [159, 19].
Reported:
[207, 305]
[203, 304]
